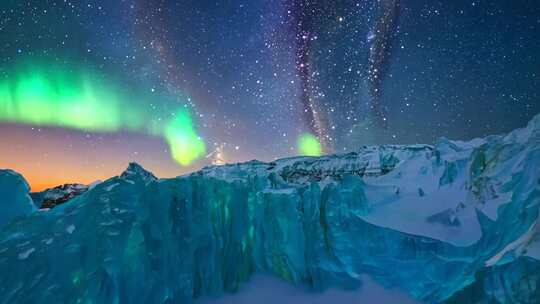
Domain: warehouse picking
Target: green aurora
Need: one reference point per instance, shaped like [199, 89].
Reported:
[309, 145]
[80, 99]
[186, 146]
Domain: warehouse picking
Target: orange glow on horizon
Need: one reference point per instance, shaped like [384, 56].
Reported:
[51, 157]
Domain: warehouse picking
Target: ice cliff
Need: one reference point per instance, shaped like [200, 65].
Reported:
[452, 223]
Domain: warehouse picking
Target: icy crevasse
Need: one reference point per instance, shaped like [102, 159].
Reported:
[454, 222]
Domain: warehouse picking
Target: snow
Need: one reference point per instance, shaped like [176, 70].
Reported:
[527, 244]
[50, 198]
[70, 229]
[269, 290]
[513, 246]
[25, 254]
[112, 186]
[94, 184]
[532, 248]
[409, 214]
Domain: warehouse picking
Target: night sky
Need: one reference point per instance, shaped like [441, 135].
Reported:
[87, 86]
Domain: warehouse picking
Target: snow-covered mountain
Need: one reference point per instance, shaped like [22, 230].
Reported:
[452, 223]
[53, 197]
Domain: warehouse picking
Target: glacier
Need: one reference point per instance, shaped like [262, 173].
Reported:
[456, 222]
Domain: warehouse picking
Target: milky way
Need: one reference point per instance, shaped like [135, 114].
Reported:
[380, 40]
[302, 13]
[308, 20]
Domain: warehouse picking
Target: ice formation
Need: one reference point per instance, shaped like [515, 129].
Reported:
[452, 223]
[14, 199]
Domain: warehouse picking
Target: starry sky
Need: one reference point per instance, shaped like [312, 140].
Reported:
[88, 86]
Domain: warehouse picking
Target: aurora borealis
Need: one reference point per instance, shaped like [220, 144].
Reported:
[309, 145]
[43, 96]
[88, 86]
[186, 146]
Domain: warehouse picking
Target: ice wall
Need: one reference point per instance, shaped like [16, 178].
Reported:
[455, 222]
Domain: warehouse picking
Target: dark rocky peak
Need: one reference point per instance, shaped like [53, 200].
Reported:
[58, 195]
[136, 172]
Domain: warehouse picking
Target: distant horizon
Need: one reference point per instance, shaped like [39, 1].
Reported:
[38, 184]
